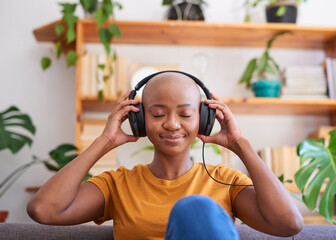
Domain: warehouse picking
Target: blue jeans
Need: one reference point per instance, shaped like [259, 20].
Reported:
[199, 217]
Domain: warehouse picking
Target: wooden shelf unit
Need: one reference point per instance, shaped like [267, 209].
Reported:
[193, 33]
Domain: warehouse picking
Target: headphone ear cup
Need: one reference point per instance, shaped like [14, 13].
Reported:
[207, 119]
[137, 121]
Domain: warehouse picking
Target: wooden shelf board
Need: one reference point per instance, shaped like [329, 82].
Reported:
[248, 106]
[197, 33]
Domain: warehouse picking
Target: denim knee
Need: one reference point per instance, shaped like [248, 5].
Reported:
[199, 217]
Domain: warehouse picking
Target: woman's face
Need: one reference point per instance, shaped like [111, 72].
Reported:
[171, 106]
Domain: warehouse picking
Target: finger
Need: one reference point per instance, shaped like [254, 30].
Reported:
[207, 139]
[131, 138]
[126, 109]
[124, 103]
[214, 96]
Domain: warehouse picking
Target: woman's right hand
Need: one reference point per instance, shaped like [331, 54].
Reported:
[113, 133]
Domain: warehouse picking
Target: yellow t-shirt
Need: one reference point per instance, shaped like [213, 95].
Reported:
[139, 203]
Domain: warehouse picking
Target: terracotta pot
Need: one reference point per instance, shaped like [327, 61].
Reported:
[3, 216]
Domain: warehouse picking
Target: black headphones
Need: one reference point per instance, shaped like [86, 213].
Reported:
[137, 119]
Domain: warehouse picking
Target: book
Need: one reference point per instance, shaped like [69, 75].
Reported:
[110, 74]
[331, 78]
[121, 75]
[93, 75]
[85, 75]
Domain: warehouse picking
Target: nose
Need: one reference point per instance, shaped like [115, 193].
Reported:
[171, 123]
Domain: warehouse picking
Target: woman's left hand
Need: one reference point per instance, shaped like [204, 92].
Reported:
[230, 132]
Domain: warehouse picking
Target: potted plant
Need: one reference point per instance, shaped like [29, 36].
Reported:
[11, 120]
[318, 164]
[185, 10]
[284, 11]
[267, 72]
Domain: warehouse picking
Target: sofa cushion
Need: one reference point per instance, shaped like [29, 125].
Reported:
[11, 231]
[313, 232]
[29, 231]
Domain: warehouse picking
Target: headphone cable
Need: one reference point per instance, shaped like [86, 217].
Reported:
[228, 184]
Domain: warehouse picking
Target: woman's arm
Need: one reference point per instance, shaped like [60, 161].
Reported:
[65, 199]
[267, 206]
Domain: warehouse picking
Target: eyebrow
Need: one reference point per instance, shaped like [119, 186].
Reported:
[164, 106]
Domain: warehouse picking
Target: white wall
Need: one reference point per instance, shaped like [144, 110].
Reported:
[48, 97]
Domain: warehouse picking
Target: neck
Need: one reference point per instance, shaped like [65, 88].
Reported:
[170, 167]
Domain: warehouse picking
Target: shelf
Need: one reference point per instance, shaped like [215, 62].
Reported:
[248, 106]
[197, 33]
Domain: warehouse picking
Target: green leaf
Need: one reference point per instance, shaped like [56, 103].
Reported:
[281, 11]
[105, 37]
[114, 56]
[275, 64]
[10, 120]
[262, 64]
[60, 155]
[107, 7]
[101, 66]
[58, 49]
[215, 148]
[247, 18]
[89, 5]
[51, 167]
[59, 28]
[71, 58]
[275, 36]
[100, 17]
[318, 163]
[247, 75]
[114, 30]
[45, 63]
[193, 144]
[146, 148]
[100, 95]
[68, 7]
[168, 2]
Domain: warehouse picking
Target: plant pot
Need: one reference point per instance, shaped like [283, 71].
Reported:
[3, 216]
[267, 88]
[186, 11]
[289, 16]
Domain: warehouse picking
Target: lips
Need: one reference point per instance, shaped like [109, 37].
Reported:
[172, 138]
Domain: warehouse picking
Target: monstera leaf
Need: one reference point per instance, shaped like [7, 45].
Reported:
[12, 119]
[61, 156]
[318, 163]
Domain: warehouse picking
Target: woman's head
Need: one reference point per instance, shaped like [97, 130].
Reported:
[171, 105]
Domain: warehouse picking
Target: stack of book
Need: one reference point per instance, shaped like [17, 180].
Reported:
[92, 128]
[112, 80]
[282, 161]
[305, 82]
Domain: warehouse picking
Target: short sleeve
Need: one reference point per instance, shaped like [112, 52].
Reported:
[105, 183]
[241, 179]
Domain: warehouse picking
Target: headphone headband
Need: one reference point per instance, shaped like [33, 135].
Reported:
[146, 79]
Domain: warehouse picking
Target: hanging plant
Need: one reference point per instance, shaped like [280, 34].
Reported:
[103, 11]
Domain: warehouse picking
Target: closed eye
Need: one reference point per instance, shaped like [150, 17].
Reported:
[157, 116]
[185, 116]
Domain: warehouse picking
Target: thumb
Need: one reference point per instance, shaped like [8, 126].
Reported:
[205, 139]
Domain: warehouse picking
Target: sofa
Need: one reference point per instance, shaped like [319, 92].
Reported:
[31, 231]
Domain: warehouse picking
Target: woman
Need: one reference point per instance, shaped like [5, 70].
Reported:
[140, 200]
